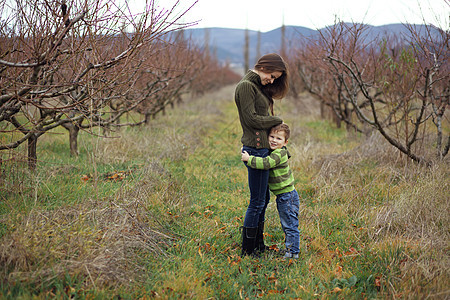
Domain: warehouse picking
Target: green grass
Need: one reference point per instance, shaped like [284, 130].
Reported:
[171, 227]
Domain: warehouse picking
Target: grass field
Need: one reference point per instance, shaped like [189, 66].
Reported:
[155, 212]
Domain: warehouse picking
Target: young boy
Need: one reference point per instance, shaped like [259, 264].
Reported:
[281, 183]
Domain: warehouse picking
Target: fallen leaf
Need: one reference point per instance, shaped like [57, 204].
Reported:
[272, 278]
[207, 247]
[338, 270]
[233, 262]
[274, 248]
[222, 228]
[114, 176]
[377, 281]
[225, 250]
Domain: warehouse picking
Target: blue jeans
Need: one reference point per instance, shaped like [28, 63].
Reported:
[258, 182]
[288, 208]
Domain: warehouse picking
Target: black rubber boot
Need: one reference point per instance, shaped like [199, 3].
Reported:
[260, 246]
[248, 240]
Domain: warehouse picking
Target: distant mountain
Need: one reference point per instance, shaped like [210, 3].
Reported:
[228, 44]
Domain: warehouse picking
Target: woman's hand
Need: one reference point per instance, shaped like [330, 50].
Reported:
[245, 156]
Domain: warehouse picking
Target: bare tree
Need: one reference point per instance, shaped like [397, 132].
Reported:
[258, 45]
[312, 72]
[396, 85]
[246, 50]
[62, 63]
[178, 65]
[431, 51]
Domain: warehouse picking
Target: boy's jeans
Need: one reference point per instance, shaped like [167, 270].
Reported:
[258, 182]
[288, 208]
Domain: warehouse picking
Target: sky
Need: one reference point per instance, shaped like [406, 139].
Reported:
[265, 15]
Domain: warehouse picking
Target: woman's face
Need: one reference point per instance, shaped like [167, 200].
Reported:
[268, 78]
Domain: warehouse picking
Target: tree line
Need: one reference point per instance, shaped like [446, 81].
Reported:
[93, 63]
[398, 86]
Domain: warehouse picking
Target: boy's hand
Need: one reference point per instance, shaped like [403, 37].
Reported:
[245, 156]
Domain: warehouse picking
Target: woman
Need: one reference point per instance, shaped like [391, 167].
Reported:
[254, 96]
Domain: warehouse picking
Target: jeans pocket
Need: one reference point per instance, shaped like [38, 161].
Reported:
[283, 198]
[287, 203]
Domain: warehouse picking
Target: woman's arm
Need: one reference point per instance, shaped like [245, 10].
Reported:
[245, 100]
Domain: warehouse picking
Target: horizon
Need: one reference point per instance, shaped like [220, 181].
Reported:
[264, 16]
[287, 25]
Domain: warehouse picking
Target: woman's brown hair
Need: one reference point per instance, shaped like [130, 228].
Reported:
[273, 62]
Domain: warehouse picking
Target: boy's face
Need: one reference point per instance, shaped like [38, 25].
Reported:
[277, 139]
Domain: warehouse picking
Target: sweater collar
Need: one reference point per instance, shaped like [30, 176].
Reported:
[253, 77]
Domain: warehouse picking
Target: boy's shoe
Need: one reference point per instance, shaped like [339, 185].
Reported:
[289, 255]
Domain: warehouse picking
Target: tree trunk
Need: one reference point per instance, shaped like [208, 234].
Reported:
[322, 110]
[32, 152]
[147, 118]
[73, 139]
[337, 120]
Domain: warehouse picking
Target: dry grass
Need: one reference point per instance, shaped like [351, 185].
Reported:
[106, 241]
[102, 240]
[400, 202]
[412, 200]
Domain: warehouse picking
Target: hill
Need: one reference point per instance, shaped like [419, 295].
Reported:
[228, 44]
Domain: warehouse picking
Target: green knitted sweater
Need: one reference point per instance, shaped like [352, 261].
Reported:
[253, 107]
[281, 179]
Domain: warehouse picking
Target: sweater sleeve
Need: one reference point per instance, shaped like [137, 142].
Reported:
[245, 96]
[275, 158]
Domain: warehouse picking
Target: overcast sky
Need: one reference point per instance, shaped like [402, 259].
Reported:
[266, 15]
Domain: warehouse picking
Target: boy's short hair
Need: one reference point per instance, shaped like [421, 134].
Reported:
[282, 127]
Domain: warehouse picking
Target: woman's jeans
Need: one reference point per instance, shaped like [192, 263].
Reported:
[258, 181]
[288, 209]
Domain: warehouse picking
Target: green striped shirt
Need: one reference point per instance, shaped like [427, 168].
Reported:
[281, 179]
